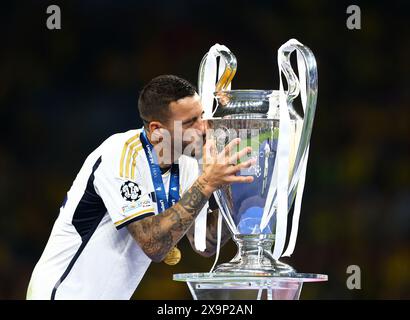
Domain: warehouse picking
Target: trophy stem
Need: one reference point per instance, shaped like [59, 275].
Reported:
[254, 257]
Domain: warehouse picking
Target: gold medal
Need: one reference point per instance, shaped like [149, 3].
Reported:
[173, 256]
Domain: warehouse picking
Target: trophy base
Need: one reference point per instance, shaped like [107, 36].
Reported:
[275, 269]
[254, 257]
[253, 274]
[231, 286]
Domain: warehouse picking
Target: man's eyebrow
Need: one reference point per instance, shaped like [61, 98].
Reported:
[193, 118]
[190, 120]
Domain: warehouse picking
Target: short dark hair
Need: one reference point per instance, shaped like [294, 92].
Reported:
[155, 97]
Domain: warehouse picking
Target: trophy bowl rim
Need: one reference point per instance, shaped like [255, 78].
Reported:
[229, 277]
[265, 91]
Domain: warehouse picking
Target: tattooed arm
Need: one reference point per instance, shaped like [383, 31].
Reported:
[158, 234]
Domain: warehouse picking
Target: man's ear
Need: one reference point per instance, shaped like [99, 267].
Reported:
[154, 131]
[154, 125]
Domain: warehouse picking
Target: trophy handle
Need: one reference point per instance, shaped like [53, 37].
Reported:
[306, 57]
[230, 69]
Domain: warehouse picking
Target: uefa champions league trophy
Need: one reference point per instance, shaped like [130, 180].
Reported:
[257, 214]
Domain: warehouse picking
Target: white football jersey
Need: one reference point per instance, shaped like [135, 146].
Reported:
[90, 255]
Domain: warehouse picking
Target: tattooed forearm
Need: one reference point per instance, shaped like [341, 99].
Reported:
[157, 234]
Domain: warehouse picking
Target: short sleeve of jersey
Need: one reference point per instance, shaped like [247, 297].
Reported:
[125, 200]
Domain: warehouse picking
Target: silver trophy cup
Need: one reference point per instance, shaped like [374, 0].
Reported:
[253, 116]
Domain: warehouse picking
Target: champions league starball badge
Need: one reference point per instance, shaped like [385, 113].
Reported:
[130, 191]
[257, 213]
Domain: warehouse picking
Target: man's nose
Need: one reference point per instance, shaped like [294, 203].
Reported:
[201, 125]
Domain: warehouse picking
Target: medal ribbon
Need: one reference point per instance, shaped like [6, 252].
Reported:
[173, 194]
